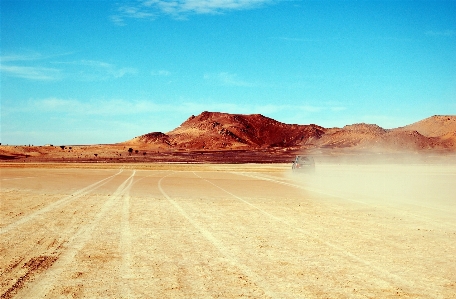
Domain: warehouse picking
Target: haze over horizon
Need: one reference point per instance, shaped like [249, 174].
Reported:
[85, 72]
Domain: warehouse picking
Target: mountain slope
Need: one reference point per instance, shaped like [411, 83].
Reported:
[215, 130]
[351, 135]
[434, 126]
[224, 131]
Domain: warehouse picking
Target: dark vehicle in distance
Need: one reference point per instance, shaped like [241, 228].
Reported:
[303, 164]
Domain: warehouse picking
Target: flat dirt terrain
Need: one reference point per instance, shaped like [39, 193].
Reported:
[227, 231]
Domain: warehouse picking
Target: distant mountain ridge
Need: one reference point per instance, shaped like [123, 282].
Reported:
[224, 131]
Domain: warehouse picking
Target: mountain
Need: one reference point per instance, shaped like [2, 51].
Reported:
[215, 130]
[224, 131]
[236, 138]
[434, 126]
[351, 135]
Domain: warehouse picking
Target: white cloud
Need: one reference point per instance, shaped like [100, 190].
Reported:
[31, 72]
[96, 70]
[118, 73]
[15, 67]
[16, 57]
[26, 67]
[135, 11]
[95, 63]
[118, 20]
[163, 73]
[214, 6]
[108, 68]
[150, 9]
[114, 107]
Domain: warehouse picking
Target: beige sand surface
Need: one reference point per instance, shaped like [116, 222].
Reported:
[227, 231]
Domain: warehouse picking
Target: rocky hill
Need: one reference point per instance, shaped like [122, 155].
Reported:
[434, 126]
[224, 131]
[235, 138]
[215, 130]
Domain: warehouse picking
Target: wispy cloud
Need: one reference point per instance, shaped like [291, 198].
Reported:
[131, 11]
[39, 67]
[19, 57]
[18, 65]
[180, 9]
[112, 107]
[29, 56]
[161, 73]
[98, 70]
[31, 72]
[110, 69]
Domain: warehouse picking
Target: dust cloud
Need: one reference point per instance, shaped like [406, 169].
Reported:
[413, 184]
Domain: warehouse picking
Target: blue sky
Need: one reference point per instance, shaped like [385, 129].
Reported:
[85, 72]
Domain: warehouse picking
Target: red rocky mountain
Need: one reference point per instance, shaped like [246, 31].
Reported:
[215, 130]
[224, 131]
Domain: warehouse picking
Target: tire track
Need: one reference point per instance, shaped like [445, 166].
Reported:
[387, 276]
[23, 178]
[75, 244]
[256, 279]
[127, 277]
[125, 247]
[59, 203]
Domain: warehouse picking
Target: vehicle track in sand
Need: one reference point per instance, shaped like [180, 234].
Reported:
[377, 270]
[57, 204]
[220, 233]
[222, 248]
[51, 241]
[41, 287]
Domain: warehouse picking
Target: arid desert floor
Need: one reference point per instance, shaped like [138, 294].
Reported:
[227, 231]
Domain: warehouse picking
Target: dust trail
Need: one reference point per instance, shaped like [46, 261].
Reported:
[387, 276]
[298, 187]
[369, 200]
[58, 203]
[219, 245]
[41, 287]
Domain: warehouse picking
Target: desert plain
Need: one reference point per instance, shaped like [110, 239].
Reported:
[175, 230]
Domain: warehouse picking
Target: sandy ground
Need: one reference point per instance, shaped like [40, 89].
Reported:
[227, 231]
